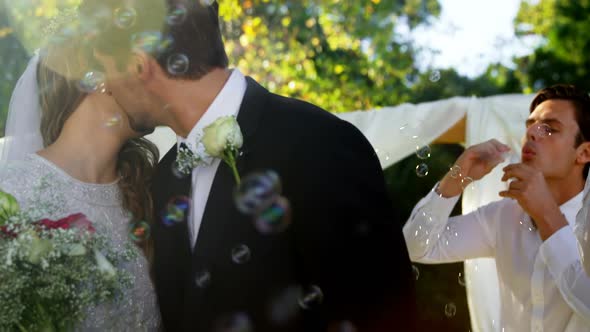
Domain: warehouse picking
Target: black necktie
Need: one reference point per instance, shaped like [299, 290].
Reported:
[184, 146]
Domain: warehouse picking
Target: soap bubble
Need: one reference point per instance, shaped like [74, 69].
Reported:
[312, 296]
[434, 76]
[423, 152]
[422, 170]
[450, 310]
[125, 17]
[178, 64]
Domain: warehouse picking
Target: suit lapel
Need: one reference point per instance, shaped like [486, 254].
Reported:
[168, 186]
[254, 100]
[172, 254]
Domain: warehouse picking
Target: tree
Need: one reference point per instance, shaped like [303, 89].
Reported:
[341, 55]
[14, 58]
[442, 84]
[564, 27]
[22, 29]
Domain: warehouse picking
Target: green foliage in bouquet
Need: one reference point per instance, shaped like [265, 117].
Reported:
[53, 272]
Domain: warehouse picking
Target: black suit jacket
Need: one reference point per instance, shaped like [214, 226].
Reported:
[344, 236]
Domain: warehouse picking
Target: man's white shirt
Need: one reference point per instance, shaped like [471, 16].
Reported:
[227, 102]
[542, 284]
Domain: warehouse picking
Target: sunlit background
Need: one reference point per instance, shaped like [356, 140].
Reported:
[470, 35]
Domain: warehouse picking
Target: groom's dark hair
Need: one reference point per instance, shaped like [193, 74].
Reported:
[188, 27]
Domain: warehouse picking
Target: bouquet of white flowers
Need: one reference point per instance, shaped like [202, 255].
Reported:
[51, 272]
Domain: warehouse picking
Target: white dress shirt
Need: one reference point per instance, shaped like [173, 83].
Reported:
[227, 102]
[542, 284]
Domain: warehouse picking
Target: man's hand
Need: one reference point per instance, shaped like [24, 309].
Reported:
[530, 189]
[475, 162]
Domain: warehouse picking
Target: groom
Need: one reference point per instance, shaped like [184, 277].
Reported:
[344, 247]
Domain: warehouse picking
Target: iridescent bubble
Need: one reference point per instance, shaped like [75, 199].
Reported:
[239, 322]
[139, 231]
[416, 272]
[311, 297]
[466, 183]
[241, 254]
[541, 130]
[423, 152]
[177, 15]
[92, 81]
[125, 17]
[151, 42]
[203, 279]
[422, 170]
[461, 279]
[257, 192]
[178, 64]
[455, 172]
[146, 41]
[176, 210]
[434, 76]
[450, 310]
[165, 44]
[274, 219]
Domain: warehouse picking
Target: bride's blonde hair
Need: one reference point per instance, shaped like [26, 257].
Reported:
[58, 72]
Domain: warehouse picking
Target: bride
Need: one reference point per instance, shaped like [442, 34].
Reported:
[76, 149]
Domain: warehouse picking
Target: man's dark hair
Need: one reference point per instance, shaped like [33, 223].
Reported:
[581, 102]
[187, 29]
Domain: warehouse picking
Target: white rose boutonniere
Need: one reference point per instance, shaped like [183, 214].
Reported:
[222, 139]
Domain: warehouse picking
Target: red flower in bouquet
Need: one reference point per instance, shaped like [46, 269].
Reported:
[5, 232]
[77, 220]
[32, 249]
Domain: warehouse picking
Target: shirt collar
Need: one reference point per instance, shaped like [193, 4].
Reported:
[227, 102]
[571, 208]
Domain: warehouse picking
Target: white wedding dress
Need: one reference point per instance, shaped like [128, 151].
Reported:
[35, 179]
